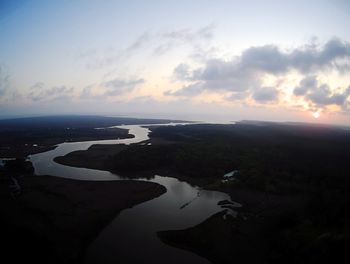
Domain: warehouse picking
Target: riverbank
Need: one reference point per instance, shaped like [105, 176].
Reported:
[21, 137]
[14, 144]
[292, 182]
[220, 239]
[93, 158]
[54, 219]
[216, 236]
[242, 238]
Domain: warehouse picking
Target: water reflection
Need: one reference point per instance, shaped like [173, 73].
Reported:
[134, 230]
[44, 164]
[131, 237]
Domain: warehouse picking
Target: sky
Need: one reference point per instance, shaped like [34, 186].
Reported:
[198, 60]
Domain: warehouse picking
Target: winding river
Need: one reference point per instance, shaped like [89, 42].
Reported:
[131, 237]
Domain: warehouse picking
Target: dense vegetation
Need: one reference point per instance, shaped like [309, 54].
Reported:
[283, 160]
[293, 181]
[71, 121]
[23, 136]
[276, 158]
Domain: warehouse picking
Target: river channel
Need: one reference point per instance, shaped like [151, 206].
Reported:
[132, 236]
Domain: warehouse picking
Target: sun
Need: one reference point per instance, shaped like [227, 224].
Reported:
[316, 114]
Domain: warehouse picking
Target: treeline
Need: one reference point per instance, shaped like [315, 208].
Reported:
[309, 161]
[273, 158]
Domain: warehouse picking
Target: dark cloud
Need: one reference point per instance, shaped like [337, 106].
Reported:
[320, 95]
[323, 96]
[265, 94]
[217, 75]
[244, 73]
[271, 59]
[120, 86]
[315, 58]
[306, 84]
[267, 59]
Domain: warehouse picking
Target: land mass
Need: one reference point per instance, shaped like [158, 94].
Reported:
[21, 137]
[292, 180]
[53, 219]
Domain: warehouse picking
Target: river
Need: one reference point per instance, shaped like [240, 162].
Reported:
[131, 237]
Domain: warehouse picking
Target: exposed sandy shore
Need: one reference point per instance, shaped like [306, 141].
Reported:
[55, 219]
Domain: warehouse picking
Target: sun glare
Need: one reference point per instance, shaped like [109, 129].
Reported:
[316, 115]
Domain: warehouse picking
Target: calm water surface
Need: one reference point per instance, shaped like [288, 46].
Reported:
[131, 237]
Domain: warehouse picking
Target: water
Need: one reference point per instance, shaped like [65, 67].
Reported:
[4, 160]
[44, 164]
[131, 237]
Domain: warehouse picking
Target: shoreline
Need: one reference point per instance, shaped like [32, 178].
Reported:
[30, 146]
[258, 211]
[65, 215]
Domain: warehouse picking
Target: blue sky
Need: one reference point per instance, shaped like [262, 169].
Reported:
[271, 60]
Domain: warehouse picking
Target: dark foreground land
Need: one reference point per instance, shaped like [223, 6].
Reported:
[52, 220]
[24, 136]
[292, 180]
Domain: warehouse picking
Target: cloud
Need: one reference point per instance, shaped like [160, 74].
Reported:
[119, 86]
[189, 35]
[265, 94]
[244, 74]
[152, 43]
[38, 92]
[182, 72]
[320, 95]
[270, 59]
[171, 39]
[87, 92]
[323, 96]
[305, 85]
[187, 91]
[217, 75]
[237, 96]
[267, 59]
[139, 42]
[315, 58]
[112, 56]
[4, 82]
